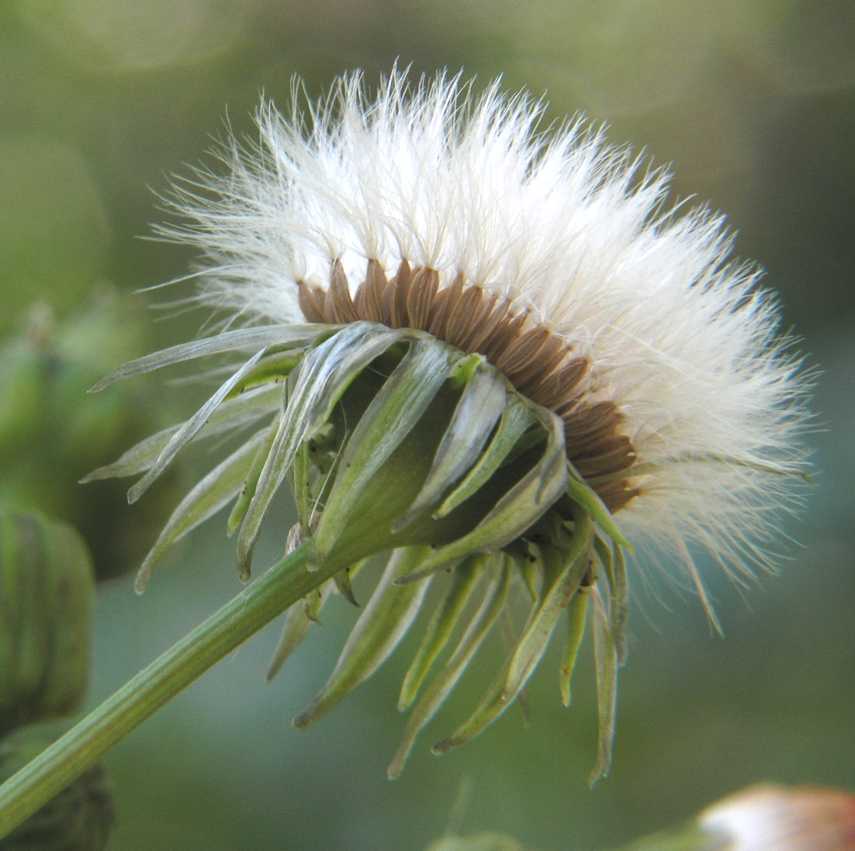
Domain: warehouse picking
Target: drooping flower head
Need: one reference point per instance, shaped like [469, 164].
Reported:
[504, 355]
[765, 816]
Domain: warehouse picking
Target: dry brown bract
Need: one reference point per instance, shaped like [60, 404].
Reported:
[540, 364]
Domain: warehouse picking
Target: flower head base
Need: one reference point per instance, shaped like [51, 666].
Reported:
[485, 345]
[394, 440]
[765, 817]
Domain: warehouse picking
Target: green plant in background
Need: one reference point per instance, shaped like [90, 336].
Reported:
[43, 374]
[477, 348]
[476, 842]
[47, 591]
[46, 600]
[80, 818]
[765, 818]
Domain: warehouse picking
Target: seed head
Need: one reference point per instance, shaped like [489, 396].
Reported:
[799, 818]
[481, 347]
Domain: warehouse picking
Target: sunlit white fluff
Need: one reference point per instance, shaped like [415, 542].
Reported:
[567, 226]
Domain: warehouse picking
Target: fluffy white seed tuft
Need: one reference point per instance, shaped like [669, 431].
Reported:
[568, 227]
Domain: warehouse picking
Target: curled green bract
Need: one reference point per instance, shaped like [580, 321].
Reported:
[395, 442]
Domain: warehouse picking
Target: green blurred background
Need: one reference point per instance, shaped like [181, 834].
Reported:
[753, 101]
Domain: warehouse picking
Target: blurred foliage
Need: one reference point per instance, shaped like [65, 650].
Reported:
[476, 842]
[753, 101]
[50, 437]
[80, 818]
[47, 592]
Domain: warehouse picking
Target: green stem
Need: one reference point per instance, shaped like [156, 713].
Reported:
[68, 757]
[690, 836]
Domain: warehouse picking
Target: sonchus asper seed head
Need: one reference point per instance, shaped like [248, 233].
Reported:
[486, 351]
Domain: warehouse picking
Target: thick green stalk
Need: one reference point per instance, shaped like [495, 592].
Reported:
[66, 759]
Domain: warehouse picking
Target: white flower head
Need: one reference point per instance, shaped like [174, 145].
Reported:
[680, 346]
[500, 352]
[799, 818]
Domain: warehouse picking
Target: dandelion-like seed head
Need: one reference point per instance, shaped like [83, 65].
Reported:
[487, 349]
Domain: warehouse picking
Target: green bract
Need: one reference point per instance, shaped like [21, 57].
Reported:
[394, 441]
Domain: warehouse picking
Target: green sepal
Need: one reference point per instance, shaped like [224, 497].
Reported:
[614, 563]
[440, 627]
[379, 629]
[273, 368]
[577, 613]
[479, 408]
[392, 414]
[314, 389]
[205, 499]
[585, 496]
[241, 339]
[301, 485]
[515, 512]
[564, 572]
[568, 569]
[344, 586]
[606, 667]
[295, 628]
[530, 570]
[495, 597]
[250, 482]
[300, 617]
[465, 369]
[234, 413]
[190, 429]
[515, 419]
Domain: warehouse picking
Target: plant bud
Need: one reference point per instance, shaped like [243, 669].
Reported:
[46, 598]
[78, 819]
[44, 374]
